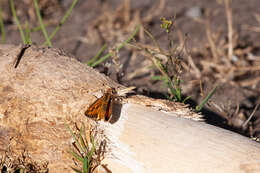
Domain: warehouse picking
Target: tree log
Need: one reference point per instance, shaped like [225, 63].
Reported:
[44, 88]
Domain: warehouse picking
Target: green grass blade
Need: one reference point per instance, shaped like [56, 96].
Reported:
[204, 101]
[118, 48]
[38, 28]
[153, 39]
[41, 23]
[84, 137]
[187, 98]
[178, 93]
[85, 165]
[2, 28]
[76, 170]
[27, 34]
[92, 60]
[93, 149]
[159, 77]
[76, 156]
[103, 58]
[67, 14]
[35, 29]
[17, 21]
[172, 90]
[129, 38]
[82, 142]
[74, 137]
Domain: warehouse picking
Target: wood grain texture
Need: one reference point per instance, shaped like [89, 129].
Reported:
[152, 141]
[48, 88]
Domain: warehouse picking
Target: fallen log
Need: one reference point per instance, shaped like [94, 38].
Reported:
[45, 89]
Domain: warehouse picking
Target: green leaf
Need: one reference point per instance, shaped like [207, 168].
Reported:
[158, 77]
[204, 101]
[85, 165]
[76, 170]
[187, 98]
[74, 137]
[78, 157]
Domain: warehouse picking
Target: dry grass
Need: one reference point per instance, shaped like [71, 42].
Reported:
[10, 162]
[228, 60]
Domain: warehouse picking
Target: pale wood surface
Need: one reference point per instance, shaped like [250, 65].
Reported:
[153, 141]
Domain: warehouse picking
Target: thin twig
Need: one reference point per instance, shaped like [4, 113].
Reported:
[212, 44]
[153, 39]
[230, 29]
[250, 117]
[20, 55]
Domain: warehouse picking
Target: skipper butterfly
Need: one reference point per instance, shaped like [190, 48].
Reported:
[101, 109]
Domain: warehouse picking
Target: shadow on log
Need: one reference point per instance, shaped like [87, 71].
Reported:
[48, 88]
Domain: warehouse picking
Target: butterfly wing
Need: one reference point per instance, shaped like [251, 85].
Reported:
[109, 110]
[101, 109]
[94, 109]
[105, 109]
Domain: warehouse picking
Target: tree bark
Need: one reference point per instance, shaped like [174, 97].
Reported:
[48, 88]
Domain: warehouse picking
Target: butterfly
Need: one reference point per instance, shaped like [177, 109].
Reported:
[101, 109]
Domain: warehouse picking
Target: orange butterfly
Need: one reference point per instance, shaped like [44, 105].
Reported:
[101, 109]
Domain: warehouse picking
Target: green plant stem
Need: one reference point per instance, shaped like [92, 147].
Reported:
[118, 48]
[153, 39]
[163, 71]
[204, 101]
[67, 14]
[81, 139]
[76, 156]
[92, 60]
[37, 28]
[85, 165]
[41, 23]
[27, 34]
[17, 21]
[74, 137]
[2, 27]
[173, 85]
[76, 170]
